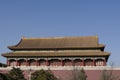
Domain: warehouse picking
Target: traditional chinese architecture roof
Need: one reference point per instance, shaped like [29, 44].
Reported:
[58, 47]
[57, 43]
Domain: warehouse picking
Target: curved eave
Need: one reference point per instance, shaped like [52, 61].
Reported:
[12, 47]
[15, 46]
[56, 54]
[7, 55]
[59, 48]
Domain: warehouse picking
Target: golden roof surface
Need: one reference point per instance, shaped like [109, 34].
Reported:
[58, 43]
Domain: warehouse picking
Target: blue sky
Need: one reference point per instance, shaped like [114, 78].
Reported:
[53, 18]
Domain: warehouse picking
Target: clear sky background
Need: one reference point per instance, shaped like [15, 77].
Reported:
[54, 18]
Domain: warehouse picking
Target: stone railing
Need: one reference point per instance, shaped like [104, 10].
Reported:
[62, 67]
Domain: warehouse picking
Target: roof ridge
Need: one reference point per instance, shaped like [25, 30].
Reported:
[58, 37]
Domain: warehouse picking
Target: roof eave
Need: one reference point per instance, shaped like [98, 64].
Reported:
[65, 48]
[12, 55]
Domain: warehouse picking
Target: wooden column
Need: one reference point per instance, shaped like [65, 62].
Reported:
[73, 63]
[47, 63]
[37, 64]
[8, 62]
[94, 62]
[104, 63]
[17, 63]
[27, 63]
[83, 62]
[62, 64]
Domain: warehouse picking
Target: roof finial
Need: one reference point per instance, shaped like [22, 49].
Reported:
[96, 35]
[23, 37]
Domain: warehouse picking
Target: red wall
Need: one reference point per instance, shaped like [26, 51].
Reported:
[67, 74]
